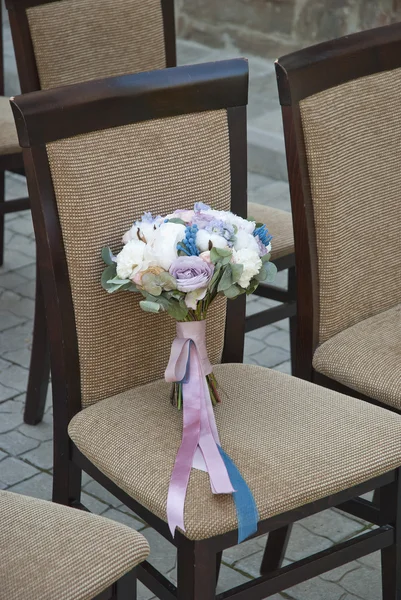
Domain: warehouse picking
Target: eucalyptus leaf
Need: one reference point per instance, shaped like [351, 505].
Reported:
[223, 252]
[147, 306]
[107, 256]
[167, 281]
[113, 288]
[236, 272]
[150, 285]
[265, 257]
[108, 274]
[214, 256]
[252, 286]
[117, 281]
[177, 310]
[271, 272]
[177, 220]
[226, 280]
[232, 292]
[262, 275]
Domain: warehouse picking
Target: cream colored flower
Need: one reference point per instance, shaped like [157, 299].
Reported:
[251, 262]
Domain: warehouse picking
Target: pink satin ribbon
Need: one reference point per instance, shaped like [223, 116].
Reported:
[189, 353]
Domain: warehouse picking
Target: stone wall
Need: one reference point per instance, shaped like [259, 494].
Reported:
[271, 28]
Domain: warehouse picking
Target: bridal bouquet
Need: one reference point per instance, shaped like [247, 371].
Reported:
[179, 264]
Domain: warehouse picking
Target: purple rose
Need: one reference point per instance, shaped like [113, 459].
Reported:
[191, 273]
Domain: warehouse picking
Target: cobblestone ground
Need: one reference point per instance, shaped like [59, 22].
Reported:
[26, 452]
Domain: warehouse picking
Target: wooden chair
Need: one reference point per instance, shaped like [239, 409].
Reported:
[340, 105]
[179, 136]
[52, 552]
[63, 42]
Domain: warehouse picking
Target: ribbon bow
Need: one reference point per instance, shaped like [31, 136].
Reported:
[189, 365]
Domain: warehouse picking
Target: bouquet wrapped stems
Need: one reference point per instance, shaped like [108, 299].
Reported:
[176, 392]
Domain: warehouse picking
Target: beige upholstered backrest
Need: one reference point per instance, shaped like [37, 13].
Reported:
[105, 180]
[353, 146]
[81, 40]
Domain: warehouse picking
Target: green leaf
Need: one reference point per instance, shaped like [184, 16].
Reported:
[147, 306]
[214, 256]
[129, 287]
[150, 284]
[265, 257]
[252, 287]
[262, 275]
[271, 272]
[117, 281]
[108, 274]
[177, 310]
[176, 220]
[223, 252]
[232, 292]
[107, 256]
[237, 272]
[226, 280]
[167, 281]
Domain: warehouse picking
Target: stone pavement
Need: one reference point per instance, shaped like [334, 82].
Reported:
[26, 452]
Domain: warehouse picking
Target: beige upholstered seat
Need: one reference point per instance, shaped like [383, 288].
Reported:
[294, 442]
[51, 552]
[366, 357]
[8, 134]
[279, 224]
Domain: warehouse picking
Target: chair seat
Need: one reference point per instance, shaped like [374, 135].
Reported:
[8, 133]
[279, 224]
[51, 552]
[366, 357]
[293, 441]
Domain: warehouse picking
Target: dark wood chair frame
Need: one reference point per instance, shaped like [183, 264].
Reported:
[29, 80]
[115, 102]
[8, 162]
[300, 75]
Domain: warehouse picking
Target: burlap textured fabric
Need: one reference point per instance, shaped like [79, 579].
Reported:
[76, 40]
[353, 144]
[279, 224]
[294, 442]
[51, 552]
[366, 357]
[8, 134]
[103, 182]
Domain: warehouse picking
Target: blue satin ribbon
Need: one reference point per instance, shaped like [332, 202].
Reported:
[247, 512]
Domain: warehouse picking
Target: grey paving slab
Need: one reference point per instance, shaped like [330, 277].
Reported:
[14, 470]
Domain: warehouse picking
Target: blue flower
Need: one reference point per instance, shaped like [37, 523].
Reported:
[199, 206]
[263, 234]
[188, 244]
[225, 230]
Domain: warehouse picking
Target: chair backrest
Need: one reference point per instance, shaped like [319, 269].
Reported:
[342, 120]
[100, 154]
[62, 42]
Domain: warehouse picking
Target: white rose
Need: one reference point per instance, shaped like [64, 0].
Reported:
[245, 240]
[203, 238]
[130, 259]
[164, 243]
[251, 262]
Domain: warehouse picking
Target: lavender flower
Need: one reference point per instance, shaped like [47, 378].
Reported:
[191, 273]
[222, 228]
[199, 206]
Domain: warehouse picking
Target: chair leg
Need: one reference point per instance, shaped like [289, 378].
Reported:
[196, 571]
[292, 290]
[275, 549]
[2, 200]
[390, 502]
[39, 369]
[126, 587]
[219, 557]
